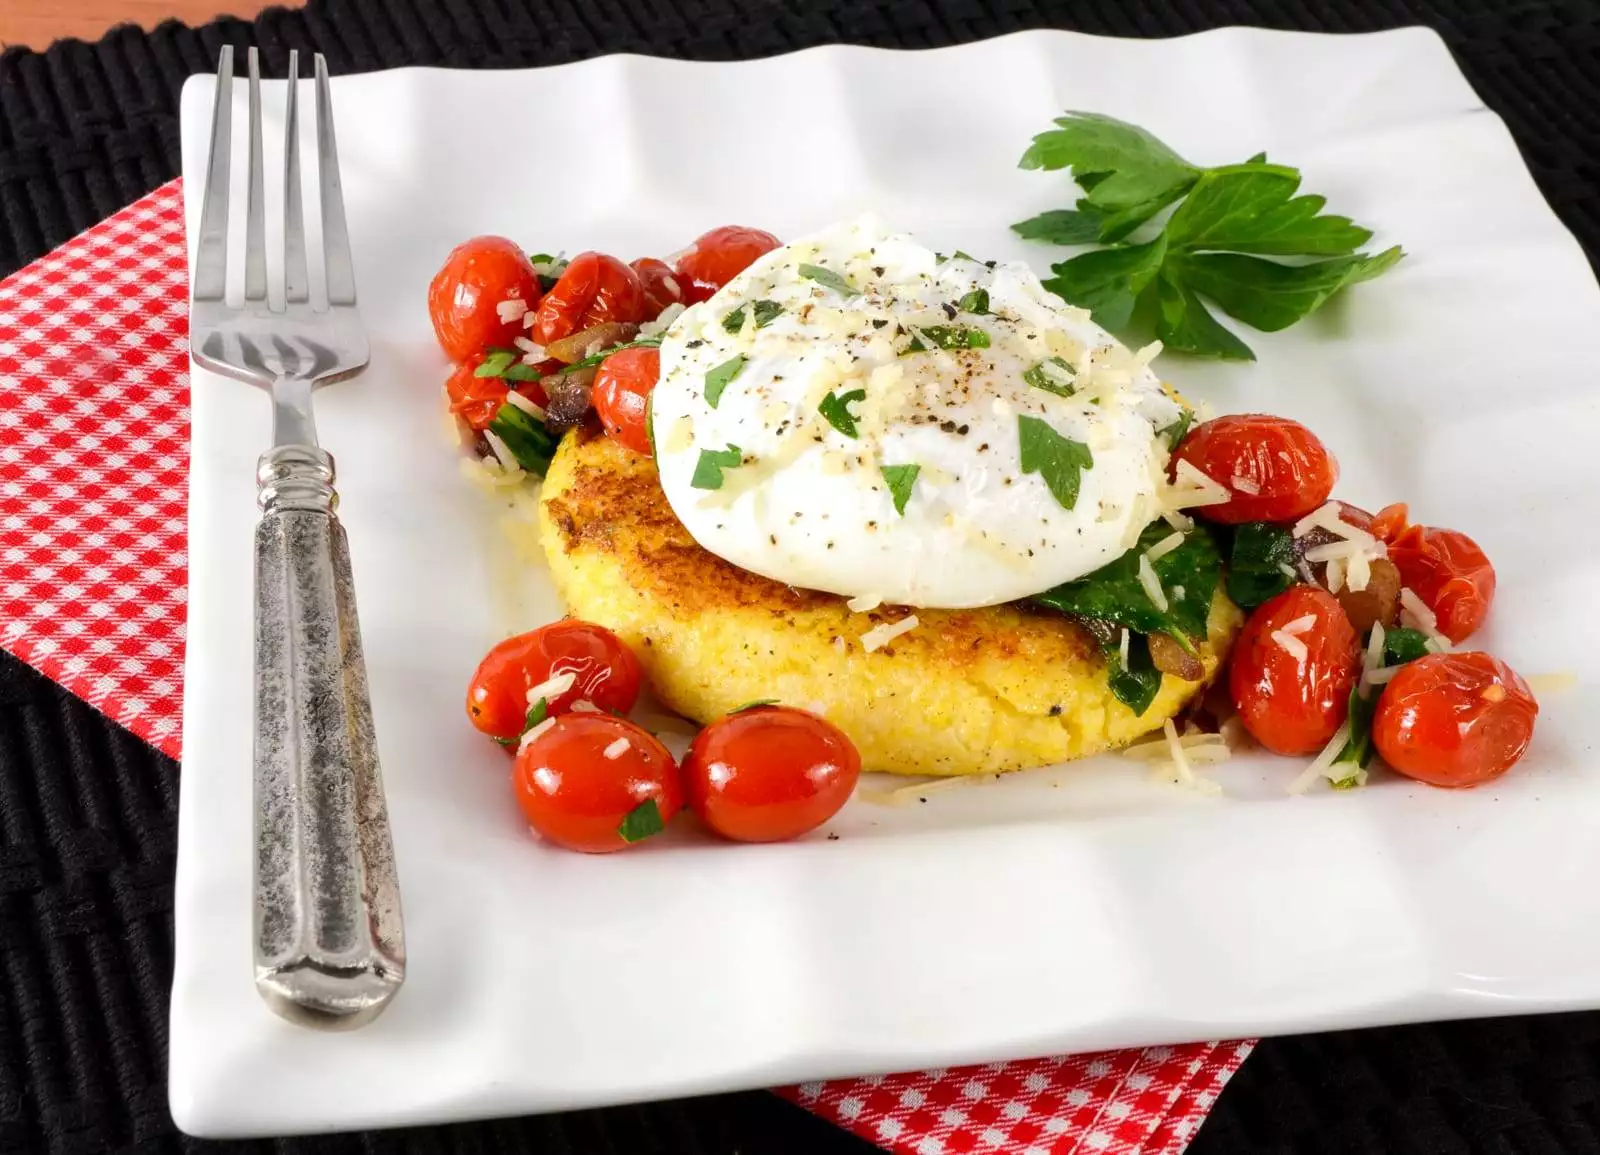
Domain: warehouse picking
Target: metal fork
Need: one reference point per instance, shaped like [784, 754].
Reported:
[329, 943]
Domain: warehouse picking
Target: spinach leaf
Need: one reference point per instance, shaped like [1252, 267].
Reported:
[1136, 684]
[1401, 645]
[1113, 593]
[1255, 566]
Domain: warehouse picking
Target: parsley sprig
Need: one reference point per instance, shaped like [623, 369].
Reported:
[1216, 245]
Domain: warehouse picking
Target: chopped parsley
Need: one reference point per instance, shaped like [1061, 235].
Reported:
[1053, 375]
[536, 714]
[717, 378]
[521, 372]
[900, 479]
[948, 337]
[1059, 460]
[496, 363]
[766, 312]
[1174, 434]
[708, 470]
[641, 822]
[976, 302]
[829, 279]
[835, 409]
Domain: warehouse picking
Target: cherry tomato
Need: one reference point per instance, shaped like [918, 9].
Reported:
[472, 398]
[1454, 719]
[769, 773]
[1276, 469]
[622, 389]
[580, 779]
[1290, 705]
[606, 675]
[594, 289]
[661, 286]
[718, 257]
[465, 295]
[1390, 521]
[1448, 571]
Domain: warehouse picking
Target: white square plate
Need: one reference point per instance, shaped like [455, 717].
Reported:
[1062, 910]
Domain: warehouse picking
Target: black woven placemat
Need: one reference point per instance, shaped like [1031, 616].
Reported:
[87, 813]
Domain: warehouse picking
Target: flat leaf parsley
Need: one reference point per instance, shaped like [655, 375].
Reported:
[1227, 222]
[1059, 460]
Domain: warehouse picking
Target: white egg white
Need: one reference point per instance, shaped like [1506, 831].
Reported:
[810, 506]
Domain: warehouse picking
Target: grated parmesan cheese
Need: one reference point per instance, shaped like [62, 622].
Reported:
[534, 734]
[1335, 575]
[552, 687]
[531, 408]
[1163, 547]
[1300, 625]
[1319, 766]
[1177, 520]
[881, 635]
[1180, 765]
[502, 451]
[1193, 488]
[861, 603]
[1358, 572]
[1328, 517]
[1292, 646]
[1151, 583]
[617, 749]
[663, 322]
[1122, 647]
[535, 352]
[1415, 612]
[513, 309]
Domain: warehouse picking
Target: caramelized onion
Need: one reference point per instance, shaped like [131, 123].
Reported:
[590, 341]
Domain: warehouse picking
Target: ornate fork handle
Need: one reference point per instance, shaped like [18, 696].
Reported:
[328, 939]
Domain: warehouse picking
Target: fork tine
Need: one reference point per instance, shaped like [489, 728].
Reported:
[335, 234]
[294, 233]
[255, 233]
[211, 254]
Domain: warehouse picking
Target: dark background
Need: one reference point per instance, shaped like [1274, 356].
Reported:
[88, 813]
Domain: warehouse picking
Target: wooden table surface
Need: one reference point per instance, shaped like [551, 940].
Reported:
[35, 23]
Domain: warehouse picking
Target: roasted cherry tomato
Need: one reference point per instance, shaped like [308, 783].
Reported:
[769, 773]
[1293, 667]
[605, 673]
[718, 257]
[472, 398]
[594, 289]
[661, 285]
[621, 392]
[465, 296]
[1448, 571]
[1389, 521]
[1276, 469]
[1454, 719]
[581, 783]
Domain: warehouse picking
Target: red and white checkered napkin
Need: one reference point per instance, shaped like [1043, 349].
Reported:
[94, 428]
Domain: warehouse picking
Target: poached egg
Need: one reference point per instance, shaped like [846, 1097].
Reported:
[857, 414]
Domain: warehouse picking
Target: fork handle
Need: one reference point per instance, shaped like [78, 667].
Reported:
[329, 942]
